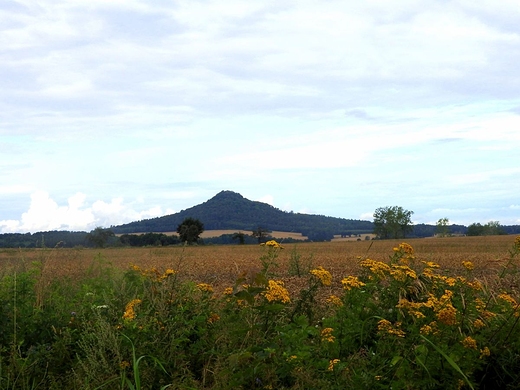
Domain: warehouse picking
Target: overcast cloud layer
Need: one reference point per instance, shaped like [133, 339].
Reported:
[114, 111]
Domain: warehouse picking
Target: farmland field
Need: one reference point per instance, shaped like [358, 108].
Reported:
[220, 265]
[429, 313]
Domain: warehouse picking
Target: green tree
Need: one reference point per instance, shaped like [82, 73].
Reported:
[442, 227]
[190, 230]
[240, 237]
[260, 233]
[392, 222]
[99, 237]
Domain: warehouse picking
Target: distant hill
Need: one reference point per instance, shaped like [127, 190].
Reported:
[230, 210]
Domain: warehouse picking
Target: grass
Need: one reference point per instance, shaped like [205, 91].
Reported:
[334, 315]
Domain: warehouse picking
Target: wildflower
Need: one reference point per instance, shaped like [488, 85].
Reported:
[129, 313]
[273, 244]
[332, 363]
[335, 300]
[323, 275]
[448, 315]
[205, 287]
[277, 292]
[484, 352]
[479, 324]
[413, 308]
[426, 329]
[291, 358]
[351, 282]
[228, 291]
[508, 298]
[405, 248]
[377, 268]
[326, 335]
[386, 326]
[213, 318]
[469, 342]
[468, 265]
[401, 272]
[102, 307]
[124, 364]
[431, 264]
[516, 245]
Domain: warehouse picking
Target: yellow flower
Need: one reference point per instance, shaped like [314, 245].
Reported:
[377, 268]
[405, 248]
[272, 244]
[323, 275]
[508, 298]
[205, 287]
[516, 245]
[332, 363]
[469, 342]
[129, 313]
[385, 326]
[479, 324]
[326, 335]
[213, 318]
[448, 315]
[124, 364]
[335, 300]
[228, 291]
[277, 292]
[426, 329]
[351, 282]
[431, 264]
[468, 265]
[484, 352]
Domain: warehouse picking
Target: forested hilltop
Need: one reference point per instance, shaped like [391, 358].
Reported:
[230, 210]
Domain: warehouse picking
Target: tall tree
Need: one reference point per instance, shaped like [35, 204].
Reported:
[99, 236]
[392, 222]
[442, 227]
[190, 230]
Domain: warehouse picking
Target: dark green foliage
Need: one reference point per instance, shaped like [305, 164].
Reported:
[229, 210]
[100, 237]
[190, 230]
[392, 222]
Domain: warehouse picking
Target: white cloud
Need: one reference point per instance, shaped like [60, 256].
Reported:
[45, 214]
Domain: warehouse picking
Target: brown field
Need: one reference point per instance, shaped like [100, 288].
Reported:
[221, 265]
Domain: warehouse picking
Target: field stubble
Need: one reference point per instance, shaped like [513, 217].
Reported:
[220, 266]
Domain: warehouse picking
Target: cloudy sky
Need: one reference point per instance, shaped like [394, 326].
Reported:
[115, 111]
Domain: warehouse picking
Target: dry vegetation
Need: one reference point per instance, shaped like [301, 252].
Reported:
[221, 265]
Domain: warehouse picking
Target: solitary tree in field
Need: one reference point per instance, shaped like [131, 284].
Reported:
[190, 230]
[99, 236]
[392, 222]
[259, 233]
[442, 227]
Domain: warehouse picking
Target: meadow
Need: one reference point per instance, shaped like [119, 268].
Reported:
[429, 313]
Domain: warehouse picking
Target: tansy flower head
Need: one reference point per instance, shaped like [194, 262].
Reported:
[272, 244]
[205, 287]
[468, 265]
[129, 313]
[332, 363]
[323, 275]
[351, 282]
[335, 300]
[326, 335]
[469, 342]
[276, 292]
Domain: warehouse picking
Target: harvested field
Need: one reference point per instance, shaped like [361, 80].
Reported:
[221, 265]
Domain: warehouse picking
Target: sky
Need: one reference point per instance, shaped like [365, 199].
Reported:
[117, 111]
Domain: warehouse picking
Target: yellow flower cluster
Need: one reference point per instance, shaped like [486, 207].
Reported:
[335, 300]
[276, 292]
[385, 326]
[154, 273]
[516, 245]
[205, 287]
[431, 328]
[129, 313]
[326, 335]
[404, 248]
[401, 272]
[468, 265]
[484, 352]
[332, 363]
[377, 268]
[469, 343]
[351, 282]
[228, 291]
[272, 244]
[323, 275]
